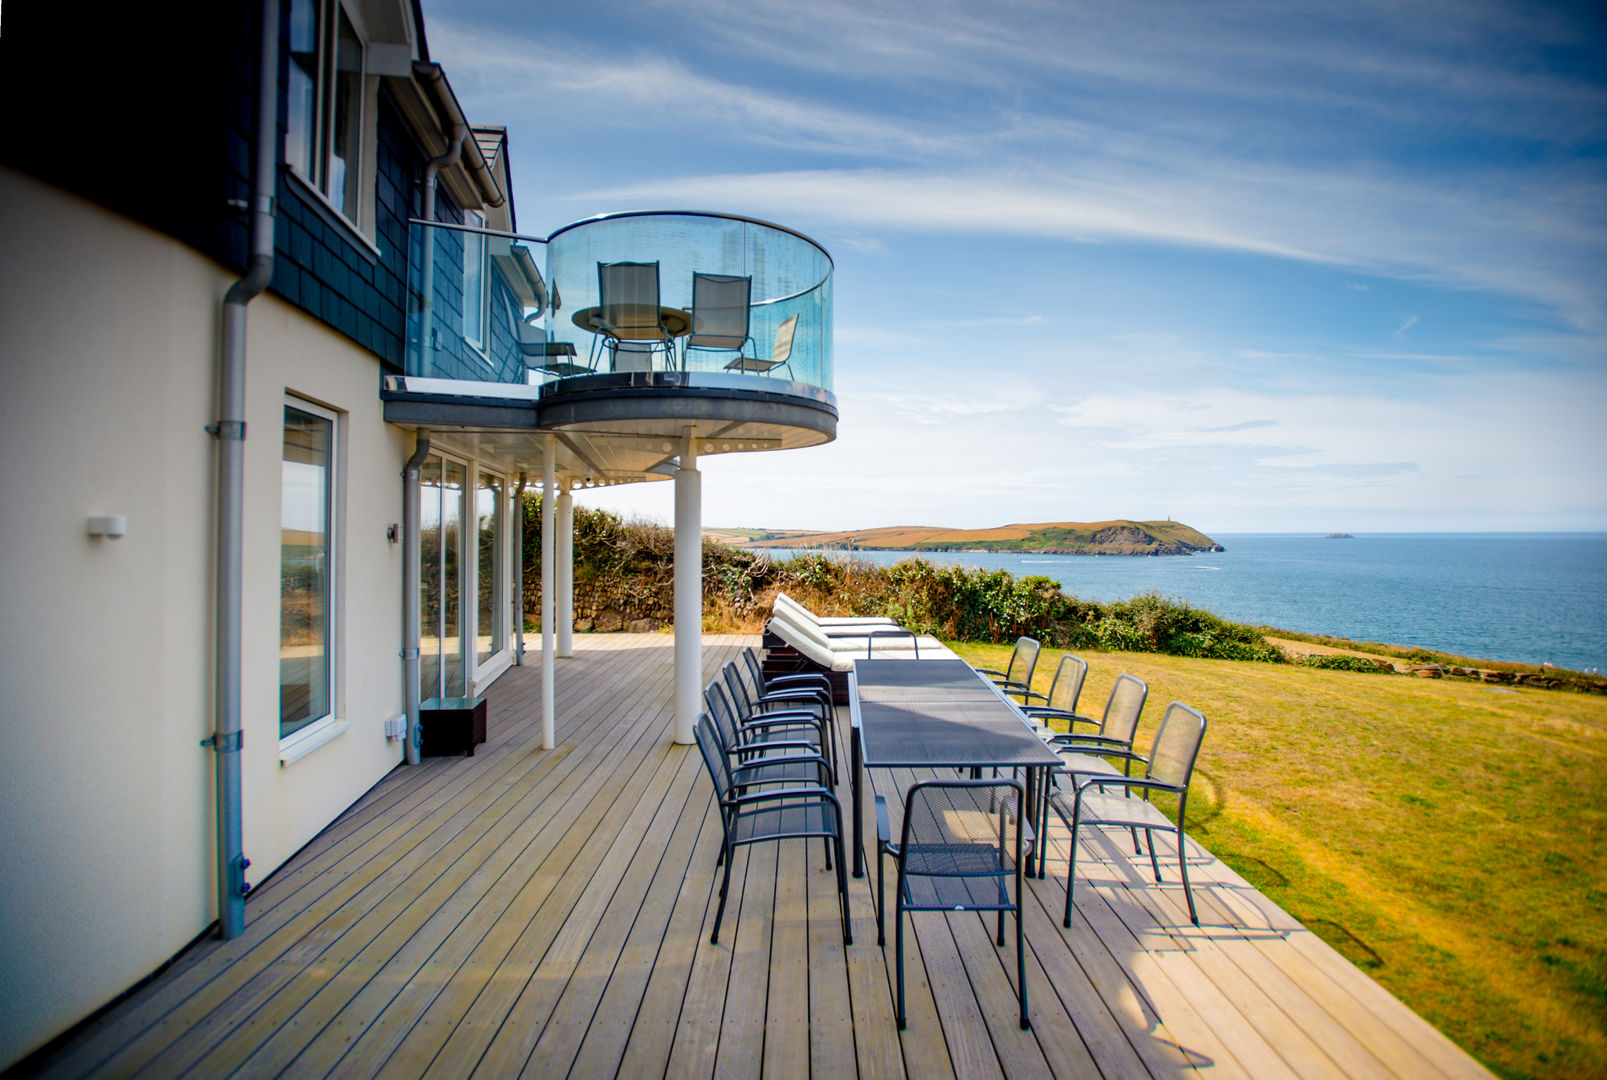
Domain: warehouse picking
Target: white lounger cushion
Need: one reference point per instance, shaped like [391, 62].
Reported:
[802, 615]
[840, 657]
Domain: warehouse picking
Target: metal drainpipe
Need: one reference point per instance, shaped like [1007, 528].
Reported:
[432, 169]
[231, 432]
[410, 591]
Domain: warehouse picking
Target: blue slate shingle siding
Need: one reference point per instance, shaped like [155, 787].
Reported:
[330, 274]
[80, 131]
[453, 357]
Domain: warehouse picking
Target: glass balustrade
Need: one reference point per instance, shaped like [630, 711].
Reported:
[665, 299]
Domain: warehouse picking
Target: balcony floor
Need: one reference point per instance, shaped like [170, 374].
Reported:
[548, 913]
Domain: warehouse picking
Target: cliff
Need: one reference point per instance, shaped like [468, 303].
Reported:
[1053, 538]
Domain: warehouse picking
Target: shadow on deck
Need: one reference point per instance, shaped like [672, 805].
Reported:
[547, 913]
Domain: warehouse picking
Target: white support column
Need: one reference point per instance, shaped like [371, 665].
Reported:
[549, 484]
[566, 573]
[688, 590]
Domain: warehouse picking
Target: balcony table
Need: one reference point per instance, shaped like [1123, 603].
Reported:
[928, 714]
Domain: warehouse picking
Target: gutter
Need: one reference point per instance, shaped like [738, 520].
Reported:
[433, 79]
[230, 431]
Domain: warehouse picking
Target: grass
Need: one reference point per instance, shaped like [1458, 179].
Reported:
[1447, 837]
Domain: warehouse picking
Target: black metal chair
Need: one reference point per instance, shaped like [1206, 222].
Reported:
[1064, 690]
[789, 812]
[1016, 678]
[628, 306]
[751, 701]
[777, 729]
[1168, 768]
[780, 352]
[719, 313]
[960, 847]
[771, 761]
[800, 681]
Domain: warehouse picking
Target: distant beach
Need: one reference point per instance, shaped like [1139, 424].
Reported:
[1527, 597]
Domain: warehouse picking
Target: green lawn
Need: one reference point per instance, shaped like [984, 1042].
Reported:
[1446, 836]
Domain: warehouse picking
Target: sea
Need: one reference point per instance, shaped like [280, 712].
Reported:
[1527, 597]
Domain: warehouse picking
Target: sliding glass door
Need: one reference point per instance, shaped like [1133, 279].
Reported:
[463, 594]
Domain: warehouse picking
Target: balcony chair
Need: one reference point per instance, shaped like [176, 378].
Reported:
[960, 846]
[1169, 767]
[1064, 690]
[780, 353]
[628, 306]
[540, 354]
[719, 313]
[628, 356]
[797, 811]
[1016, 678]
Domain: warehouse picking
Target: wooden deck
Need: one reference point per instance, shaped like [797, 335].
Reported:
[547, 913]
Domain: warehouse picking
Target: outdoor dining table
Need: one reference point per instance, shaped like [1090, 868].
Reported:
[927, 714]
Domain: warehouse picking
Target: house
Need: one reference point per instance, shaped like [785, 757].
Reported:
[277, 366]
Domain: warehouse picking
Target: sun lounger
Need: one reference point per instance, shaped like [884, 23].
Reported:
[798, 647]
[832, 626]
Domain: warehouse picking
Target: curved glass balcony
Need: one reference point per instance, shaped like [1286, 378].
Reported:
[480, 309]
[788, 318]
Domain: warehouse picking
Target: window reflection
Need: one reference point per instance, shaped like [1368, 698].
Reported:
[489, 510]
[305, 570]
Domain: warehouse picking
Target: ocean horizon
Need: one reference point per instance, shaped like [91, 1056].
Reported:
[1530, 597]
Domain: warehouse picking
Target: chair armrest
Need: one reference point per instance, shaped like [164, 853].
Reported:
[1032, 694]
[870, 640]
[1058, 714]
[814, 708]
[790, 719]
[1095, 744]
[1100, 780]
[758, 749]
[784, 726]
[800, 677]
[813, 792]
[884, 827]
[989, 671]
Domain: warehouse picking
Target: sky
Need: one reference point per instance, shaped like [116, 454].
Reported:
[1257, 267]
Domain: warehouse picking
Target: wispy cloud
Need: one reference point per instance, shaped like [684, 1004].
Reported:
[1406, 324]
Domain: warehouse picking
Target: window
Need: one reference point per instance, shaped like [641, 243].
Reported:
[490, 509]
[324, 122]
[476, 281]
[306, 568]
[442, 672]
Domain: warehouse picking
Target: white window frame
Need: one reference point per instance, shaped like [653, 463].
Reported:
[319, 731]
[475, 219]
[501, 658]
[352, 204]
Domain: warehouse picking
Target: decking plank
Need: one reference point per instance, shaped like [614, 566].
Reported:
[549, 911]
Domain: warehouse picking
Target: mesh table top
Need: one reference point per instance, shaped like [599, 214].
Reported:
[919, 713]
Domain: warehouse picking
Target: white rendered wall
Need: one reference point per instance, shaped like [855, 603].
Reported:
[108, 349]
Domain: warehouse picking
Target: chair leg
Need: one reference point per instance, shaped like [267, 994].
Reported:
[842, 889]
[1021, 962]
[1071, 863]
[827, 842]
[1149, 840]
[881, 904]
[898, 948]
[719, 913]
[1183, 869]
